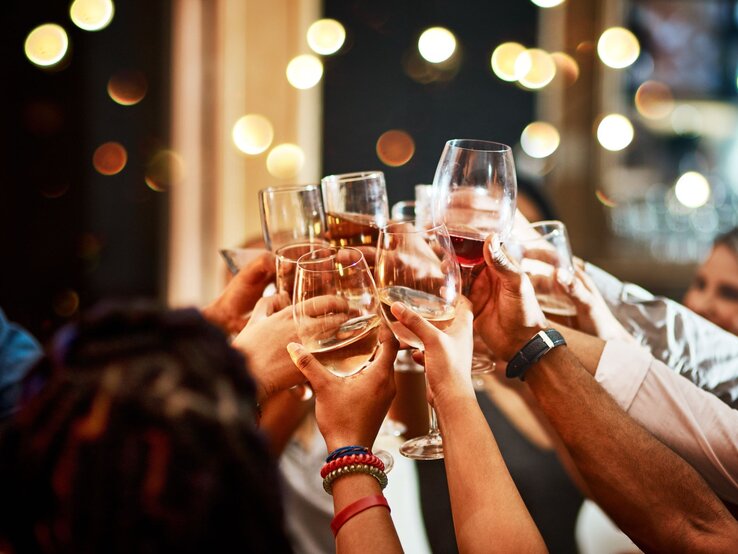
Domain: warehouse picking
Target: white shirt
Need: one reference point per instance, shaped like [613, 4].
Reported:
[693, 423]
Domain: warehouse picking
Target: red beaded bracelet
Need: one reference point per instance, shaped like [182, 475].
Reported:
[368, 459]
[356, 508]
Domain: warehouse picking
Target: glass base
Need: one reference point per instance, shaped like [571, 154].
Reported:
[386, 458]
[428, 447]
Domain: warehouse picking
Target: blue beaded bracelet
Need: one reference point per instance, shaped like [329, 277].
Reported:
[346, 451]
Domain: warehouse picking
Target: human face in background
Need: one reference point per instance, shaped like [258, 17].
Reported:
[714, 291]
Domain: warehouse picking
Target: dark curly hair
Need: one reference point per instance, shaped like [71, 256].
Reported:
[142, 439]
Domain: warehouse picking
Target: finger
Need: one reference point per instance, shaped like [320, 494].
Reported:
[323, 304]
[480, 292]
[249, 283]
[419, 326]
[419, 357]
[312, 369]
[495, 258]
[281, 301]
[263, 309]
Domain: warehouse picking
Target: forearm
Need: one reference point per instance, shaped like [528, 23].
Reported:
[487, 508]
[651, 493]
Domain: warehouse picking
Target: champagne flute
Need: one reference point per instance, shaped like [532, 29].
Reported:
[474, 192]
[290, 214]
[356, 207]
[416, 265]
[336, 312]
[543, 251]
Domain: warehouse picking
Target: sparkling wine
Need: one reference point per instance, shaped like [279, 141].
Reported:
[348, 348]
[351, 229]
[432, 308]
[469, 248]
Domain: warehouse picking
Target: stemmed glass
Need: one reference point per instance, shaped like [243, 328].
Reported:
[291, 214]
[336, 312]
[416, 265]
[474, 192]
[286, 262]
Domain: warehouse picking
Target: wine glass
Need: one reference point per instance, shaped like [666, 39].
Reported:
[356, 207]
[286, 262]
[474, 192]
[543, 251]
[291, 213]
[336, 312]
[416, 265]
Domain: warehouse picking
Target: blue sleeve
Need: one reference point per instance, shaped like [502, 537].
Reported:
[18, 352]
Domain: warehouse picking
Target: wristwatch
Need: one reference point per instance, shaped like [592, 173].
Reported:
[537, 347]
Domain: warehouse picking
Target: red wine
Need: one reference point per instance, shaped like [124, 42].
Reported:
[351, 229]
[469, 249]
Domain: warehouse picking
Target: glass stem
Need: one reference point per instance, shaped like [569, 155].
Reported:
[433, 430]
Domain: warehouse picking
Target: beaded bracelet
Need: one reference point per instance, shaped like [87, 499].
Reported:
[368, 459]
[346, 451]
[378, 474]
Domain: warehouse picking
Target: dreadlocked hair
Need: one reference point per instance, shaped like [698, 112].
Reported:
[143, 439]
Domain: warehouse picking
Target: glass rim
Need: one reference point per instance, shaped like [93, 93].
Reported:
[279, 252]
[288, 188]
[478, 145]
[557, 224]
[335, 249]
[353, 176]
[432, 227]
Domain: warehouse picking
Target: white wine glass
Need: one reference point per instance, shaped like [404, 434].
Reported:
[291, 213]
[474, 194]
[416, 265]
[336, 312]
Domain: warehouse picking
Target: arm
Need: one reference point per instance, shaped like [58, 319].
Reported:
[651, 493]
[486, 506]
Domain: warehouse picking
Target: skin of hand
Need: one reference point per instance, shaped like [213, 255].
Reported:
[506, 312]
[593, 315]
[230, 310]
[350, 410]
[264, 341]
[447, 356]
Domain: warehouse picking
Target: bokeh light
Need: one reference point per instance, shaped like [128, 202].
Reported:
[547, 3]
[540, 139]
[304, 71]
[692, 189]
[66, 303]
[110, 158]
[395, 147]
[504, 58]
[252, 134]
[127, 88]
[285, 161]
[46, 45]
[567, 67]
[605, 200]
[615, 132]
[536, 68]
[654, 100]
[618, 47]
[437, 44]
[165, 169]
[326, 36]
[687, 120]
[91, 15]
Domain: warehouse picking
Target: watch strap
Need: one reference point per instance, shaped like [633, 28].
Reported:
[538, 346]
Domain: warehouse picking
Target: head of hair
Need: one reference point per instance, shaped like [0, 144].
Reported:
[729, 239]
[141, 439]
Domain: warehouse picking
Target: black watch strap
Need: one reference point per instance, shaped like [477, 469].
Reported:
[541, 343]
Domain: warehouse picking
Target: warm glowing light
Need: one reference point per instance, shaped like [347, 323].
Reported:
[618, 47]
[692, 189]
[687, 120]
[654, 100]
[46, 45]
[437, 44]
[326, 36]
[540, 139]
[605, 200]
[285, 161]
[92, 15]
[536, 68]
[547, 3]
[127, 87]
[503, 61]
[395, 148]
[110, 158]
[66, 303]
[304, 71]
[615, 132]
[164, 170]
[252, 134]
[567, 67]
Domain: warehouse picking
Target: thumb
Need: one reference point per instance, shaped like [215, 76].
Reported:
[311, 368]
[422, 329]
[496, 259]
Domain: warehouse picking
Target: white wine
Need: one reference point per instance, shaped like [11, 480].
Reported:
[433, 309]
[347, 350]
